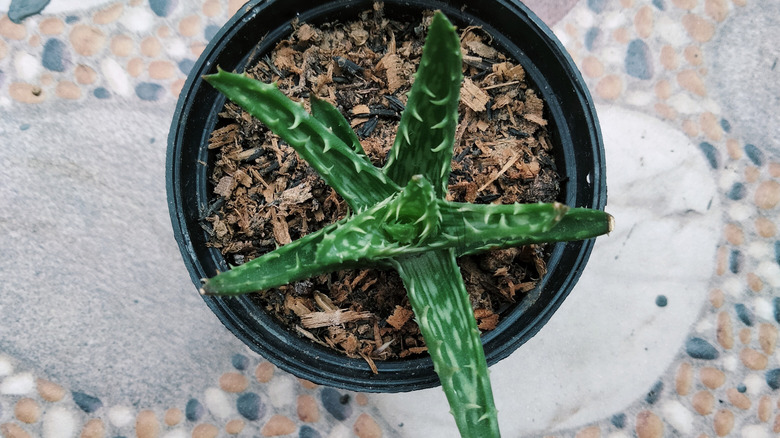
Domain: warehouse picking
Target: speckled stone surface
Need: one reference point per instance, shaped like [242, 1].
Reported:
[672, 330]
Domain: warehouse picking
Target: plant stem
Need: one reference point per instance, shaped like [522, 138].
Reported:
[443, 311]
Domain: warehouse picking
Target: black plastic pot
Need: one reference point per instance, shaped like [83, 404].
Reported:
[256, 29]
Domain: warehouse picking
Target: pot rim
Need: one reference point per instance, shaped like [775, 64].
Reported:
[188, 198]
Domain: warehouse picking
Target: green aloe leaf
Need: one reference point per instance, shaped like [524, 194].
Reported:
[292, 262]
[359, 182]
[443, 311]
[479, 228]
[426, 133]
[332, 119]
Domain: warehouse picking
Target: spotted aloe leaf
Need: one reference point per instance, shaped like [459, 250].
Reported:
[402, 219]
[332, 119]
[292, 262]
[480, 228]
[426, 133]
[444, 314]
[354, 178]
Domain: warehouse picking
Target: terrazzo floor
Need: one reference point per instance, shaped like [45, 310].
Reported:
[671, 331]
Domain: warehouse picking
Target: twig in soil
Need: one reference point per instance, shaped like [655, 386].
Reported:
[505, 84]
[503, 170]
[328, 319]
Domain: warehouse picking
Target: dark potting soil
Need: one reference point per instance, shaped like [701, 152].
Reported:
[265, 195]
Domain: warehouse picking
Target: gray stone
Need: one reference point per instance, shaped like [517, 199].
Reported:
[711, 153]
[185, 65]
[308, 432]
[240, 362]
[86, 402]
[250, 406]
[698, 348]
[597, 6]
[101, 93]
[618, 420]
[163, 8]
[744, 314]
[655, 393]
[21, 9]
[591, 38]
[639, 60]
[776, 300]
[336, 404]
[755, 154]
[194, 410]
[773, 378]
[55, 55]
[149, 91]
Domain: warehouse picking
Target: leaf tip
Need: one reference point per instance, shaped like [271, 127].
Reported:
[211, 77]
[206, 288]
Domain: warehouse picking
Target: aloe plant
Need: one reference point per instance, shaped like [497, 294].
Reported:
[400, 217]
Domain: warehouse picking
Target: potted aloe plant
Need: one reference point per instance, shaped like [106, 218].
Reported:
[575, 143]
[401, 219]
[404, 217]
